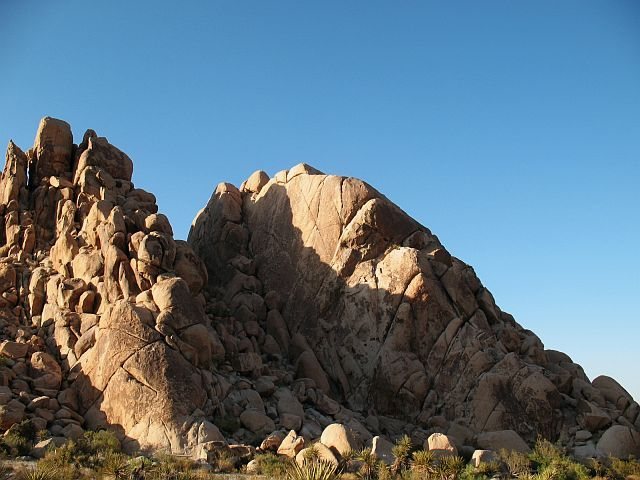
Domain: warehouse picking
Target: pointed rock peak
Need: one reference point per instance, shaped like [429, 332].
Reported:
[302, 168]
[255, 182]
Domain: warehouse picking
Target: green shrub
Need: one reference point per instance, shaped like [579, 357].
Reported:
[620, 469]
[271, 465]
[18, 439]
[517, 464]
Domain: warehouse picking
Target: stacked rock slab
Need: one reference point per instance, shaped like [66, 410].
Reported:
[370, 307]
[101, 309]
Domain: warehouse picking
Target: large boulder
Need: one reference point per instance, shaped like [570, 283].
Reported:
[619, 441]
[340, 439]
[507, 439]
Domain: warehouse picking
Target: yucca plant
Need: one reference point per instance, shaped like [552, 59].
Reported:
[38, 473]
[384, 471]
[368, 464]
[312, 470]
[401, 453]
[115, 465]
[449, 467]
[424, 462]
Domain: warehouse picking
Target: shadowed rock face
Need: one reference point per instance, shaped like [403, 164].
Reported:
[373, 308]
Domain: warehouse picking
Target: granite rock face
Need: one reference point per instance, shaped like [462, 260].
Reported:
[303, 307]
[371, 306]
[97, 318]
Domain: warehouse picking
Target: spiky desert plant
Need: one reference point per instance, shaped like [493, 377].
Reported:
[423, 462]
[311, 453]
[401, 453]
[368, 464]
[384, 471]
[115, 465]
[38, 473]
[449, 467]
[312, 470]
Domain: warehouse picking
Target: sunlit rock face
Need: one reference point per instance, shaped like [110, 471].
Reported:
[303, 306]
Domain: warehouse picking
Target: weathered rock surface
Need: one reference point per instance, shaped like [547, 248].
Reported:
[370, 306]
[98, 315]
[305, 303]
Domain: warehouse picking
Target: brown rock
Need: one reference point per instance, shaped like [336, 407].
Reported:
[507, 439]
[13, 350]
[45, 371]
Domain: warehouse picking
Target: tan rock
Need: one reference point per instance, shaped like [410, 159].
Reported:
[441, 444]
[52, 147]
[483, 456]
[317, 451]
[340, 439]
[291, 445]
[255, 182]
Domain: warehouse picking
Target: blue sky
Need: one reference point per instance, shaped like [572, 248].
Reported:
[510, 129]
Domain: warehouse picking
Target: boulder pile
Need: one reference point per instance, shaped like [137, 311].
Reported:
[305, 311]
[370, 309]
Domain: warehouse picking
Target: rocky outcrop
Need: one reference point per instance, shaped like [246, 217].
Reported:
[304, 307]
[101, 307]
[369, 305]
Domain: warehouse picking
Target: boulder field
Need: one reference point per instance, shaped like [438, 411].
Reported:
[303, 307]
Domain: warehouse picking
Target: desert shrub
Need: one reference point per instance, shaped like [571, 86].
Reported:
[99, 442]
[115, 465]
[619, 469]
[271, 465]
[545, 453]
[312, 470]
[552, 463]
[517, 464]
[61, 457]
[223, 461]
[18, 439]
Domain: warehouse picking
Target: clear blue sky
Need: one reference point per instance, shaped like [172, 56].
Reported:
[511, 129]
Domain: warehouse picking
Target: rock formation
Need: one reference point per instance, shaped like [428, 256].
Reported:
[101, 311]
[303, 307]
[370, 307]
